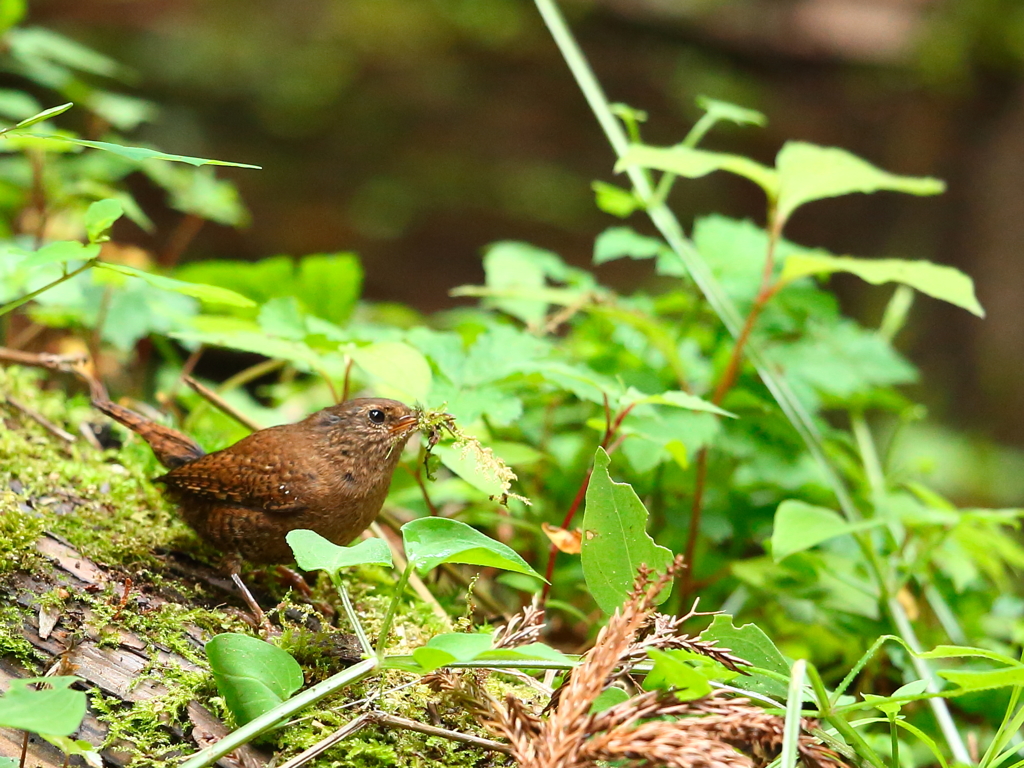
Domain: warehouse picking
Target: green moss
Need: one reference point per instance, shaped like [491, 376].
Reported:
[12, 637]
[104, 504]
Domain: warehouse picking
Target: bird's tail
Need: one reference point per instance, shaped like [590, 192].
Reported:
[171, 447]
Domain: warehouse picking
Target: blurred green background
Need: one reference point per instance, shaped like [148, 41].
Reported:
[415, 132]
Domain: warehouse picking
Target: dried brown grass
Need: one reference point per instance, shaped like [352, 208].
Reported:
[650, 729]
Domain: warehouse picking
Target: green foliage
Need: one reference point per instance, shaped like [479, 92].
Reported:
[315, 553]
[431, 541]
[253, 676]
[54, 709]
[615, 541]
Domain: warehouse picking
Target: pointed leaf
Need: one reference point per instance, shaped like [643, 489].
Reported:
[100, 217]
[61, 252]
[674, 398]
[615, 539]
[935, 280]
[971, 680]
[808, 172]
[46, 114]
[750, 643]
[800, 526]
[694, 163]
[670, 671]
[315, 553]
[723, 110]
[210, 293]
[430, 541]
[253, 676]
[139, 154]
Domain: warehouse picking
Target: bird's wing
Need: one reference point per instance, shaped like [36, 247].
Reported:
[255, 473]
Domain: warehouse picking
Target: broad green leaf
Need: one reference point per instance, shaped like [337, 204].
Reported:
[693, 163]
[57, 709]
[809, 172]
[751, 644]
[210, 293]
[61, 252]
[887, 705]
[430, 541]
[615, 539]
[329, 284]
[253, 676]
[800, 526]
[100, 217]
[670, 671]
[935, 280]
[521, 270]
[402, 369]
[675, 398]
[8, 762]
[315, 553]
[971, 680]
[723, 110]
[139, 154]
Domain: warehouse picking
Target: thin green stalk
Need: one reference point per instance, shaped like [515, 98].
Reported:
[670, 228]
[353, 619]
[847, 731]
[894, 740]
[794, 705]
[13, 305]
[696, 133]
[280, 713]
[389, 617]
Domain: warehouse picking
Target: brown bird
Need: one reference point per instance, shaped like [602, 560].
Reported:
[329, 473]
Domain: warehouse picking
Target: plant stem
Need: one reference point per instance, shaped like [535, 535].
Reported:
[389, 617]
[280, 713]
[353, 619]
[12, 305]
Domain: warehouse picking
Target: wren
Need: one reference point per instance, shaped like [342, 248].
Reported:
[328, 473]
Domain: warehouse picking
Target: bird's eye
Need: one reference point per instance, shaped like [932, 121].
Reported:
[376, 416]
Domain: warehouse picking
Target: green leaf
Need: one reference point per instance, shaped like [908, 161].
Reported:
[281, 317]
[751, 644]
[315, 553]
[465, 465]
[72, 747]
[935, 280]
[253, 676]
[966, 652]
[11, 12]
[61, 252]
[46, 114]
[675, 398]
[693, 163]
[138, 154]
[402, 369]
[430, 541]
[800, 526]
[445, 649]
[522, 269]
[809, 172]
[619, 242]
[970, 680]
[210, 293]
[100, 217]
[886, 704]
[608, 698]
[723, 110]
[615, 539]
[615, 200]
[57, 709]
[329, 284]
[671, 671]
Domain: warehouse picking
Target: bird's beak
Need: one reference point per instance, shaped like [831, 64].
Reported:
[404, 424]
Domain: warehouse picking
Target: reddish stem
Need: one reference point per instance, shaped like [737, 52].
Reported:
[765, 293]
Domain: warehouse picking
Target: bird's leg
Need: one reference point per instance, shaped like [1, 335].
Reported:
[234, 566]
[296, 581]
